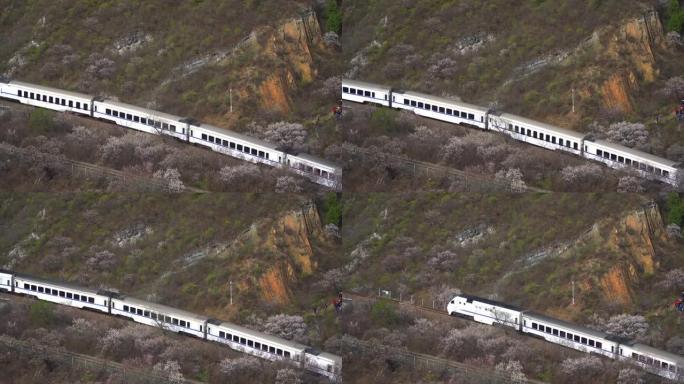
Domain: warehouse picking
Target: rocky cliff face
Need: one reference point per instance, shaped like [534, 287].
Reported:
[282, 60]
[287, 246]
[623, 254]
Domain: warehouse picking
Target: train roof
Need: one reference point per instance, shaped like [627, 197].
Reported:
[57, 283]
[332, 357]
[263, 336]
[362, 84]
[143, 111]
[239, 136]
[655, 352]
[444, 100]
[635, 152]
[562, 323]
[162, 308]
[52, 90]
[493, 302]
[549, 127]
[315, 159]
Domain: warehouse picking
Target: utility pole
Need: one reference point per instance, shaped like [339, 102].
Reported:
[230, 91]
[231, 292]
[573, 100]
[573, 292]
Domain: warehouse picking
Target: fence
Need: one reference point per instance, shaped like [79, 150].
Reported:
[87, 170]
[85, 362]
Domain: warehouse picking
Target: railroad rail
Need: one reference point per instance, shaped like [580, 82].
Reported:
[77, 360]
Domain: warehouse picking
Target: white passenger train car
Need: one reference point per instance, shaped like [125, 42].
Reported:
[618, 156]
[654, 360]
[361, 92]
[46, 97]
[452, 111]
[158, 315]
[235, 144]
[140, 119]
[536, 133]
[60, 293]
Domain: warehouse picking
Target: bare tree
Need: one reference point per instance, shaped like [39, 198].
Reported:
[630, 184]
[674, 87]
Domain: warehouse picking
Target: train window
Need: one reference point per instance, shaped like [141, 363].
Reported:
[367, 93]
[635, 356]
[211, 139]
[257, 345]
[591, 343]
[165, 126]
[279, 351]
[534, 325]
[125, 308]
[146, 313]
[69, 295]
[471, 116]
[287, 354]
[621, 159]
[548, 329]
[250, 343]
[40, 289]
[222, 334]
[64, 102]
[78, 105]
[271, 349]
[246, 149]
[183, 323]
[44, 98]
[243, 341]
[442, 110]
[84, 298]
[449, 111]
[139, 311]
[413, 103]
[420, 105]
[62, 294]
[32, 287]
[261, 154]
[173, 128]
[174, 321]
[224, 143]
[663, 365]
[555, 332]
[108, 111]
[562, 334]
[576, 338]
[599, 152]
[584, 340]
[204, 136]
[115, 113]
[232, 145]
[20, 93]
[254, 151]
[71, 104]
[510, 127]
[373, 95]
[85, 106]
[345, 89]
[406, 102]
[649, 169]
[427, 106]
[239, 147]
[352, 91]
[33, 96]
[599, 345]
[136, 119]
[613, 156]
[77, 297]
[434, 108]
[666, 173]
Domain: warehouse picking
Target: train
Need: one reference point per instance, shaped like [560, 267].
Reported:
[221, 140]
[490, 312]
[239, 338]
[519, 128]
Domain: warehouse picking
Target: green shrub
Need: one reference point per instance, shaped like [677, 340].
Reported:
[333, 17]
[675, 16]
[383, 313]
[41, 121]
[333, 209]
[675, 209]
[41, 313]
